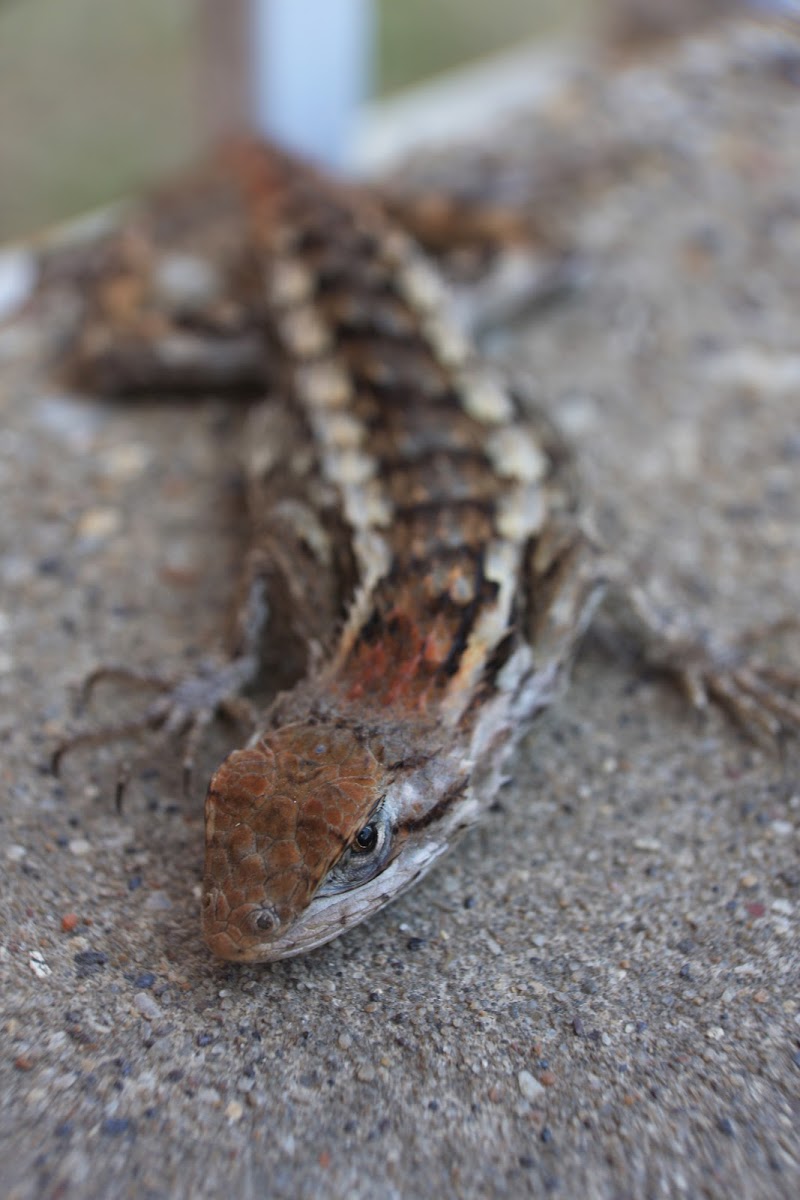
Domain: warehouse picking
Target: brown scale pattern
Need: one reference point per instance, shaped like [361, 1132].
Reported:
[429, 457]
[440, 480]
[424, 532]
[392, 436]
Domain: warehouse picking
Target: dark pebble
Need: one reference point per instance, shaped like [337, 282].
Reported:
[470, 902]
[134, 883]
[786, 66]
[685, 946]
[790, 450]
[415, 943]
[49, 566]
[742, 512]
[116, 1126]
[204, 1039]
[145, 980]
[724, 1125]
[546, 1136]
[685, 971]
[89, 961]
[527, 1162]
[578, 1027]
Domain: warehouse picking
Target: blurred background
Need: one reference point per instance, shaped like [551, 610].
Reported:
[98, 96]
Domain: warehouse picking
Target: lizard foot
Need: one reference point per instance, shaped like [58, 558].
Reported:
[763, 699]
[185, 708]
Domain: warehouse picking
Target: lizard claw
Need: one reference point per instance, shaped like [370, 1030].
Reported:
[185, 708]
[760, 697]
[763, 698]
[754, 699]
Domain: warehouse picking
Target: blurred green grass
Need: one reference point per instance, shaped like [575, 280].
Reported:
[96, 96]
[418, 38]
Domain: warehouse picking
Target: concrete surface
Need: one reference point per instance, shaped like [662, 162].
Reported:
[598, 994]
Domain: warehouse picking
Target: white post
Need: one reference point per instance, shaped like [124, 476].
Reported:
[310, 66]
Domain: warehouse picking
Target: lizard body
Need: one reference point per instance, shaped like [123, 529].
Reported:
[415, 542]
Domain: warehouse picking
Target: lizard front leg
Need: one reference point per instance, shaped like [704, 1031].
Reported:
[294, 584]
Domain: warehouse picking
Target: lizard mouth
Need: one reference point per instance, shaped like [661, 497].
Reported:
[257, 935]
[236, 936]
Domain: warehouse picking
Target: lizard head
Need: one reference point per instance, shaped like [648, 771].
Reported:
[297, 827]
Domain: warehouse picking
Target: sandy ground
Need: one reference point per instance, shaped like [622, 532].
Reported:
[598, 994]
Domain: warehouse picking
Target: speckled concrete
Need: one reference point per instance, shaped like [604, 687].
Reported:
[598, 994]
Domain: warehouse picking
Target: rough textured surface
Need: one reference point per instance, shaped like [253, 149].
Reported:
[598, 992]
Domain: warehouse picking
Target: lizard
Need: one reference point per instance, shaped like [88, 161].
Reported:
[417, 544]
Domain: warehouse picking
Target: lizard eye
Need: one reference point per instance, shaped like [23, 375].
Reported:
[366, 839]
[365, 857]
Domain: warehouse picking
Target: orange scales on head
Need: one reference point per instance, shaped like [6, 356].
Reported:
[278, 816]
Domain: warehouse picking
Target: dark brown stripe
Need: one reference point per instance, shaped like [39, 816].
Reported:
[442, 481]
[435, 454]
[430, 507]
[437, 812]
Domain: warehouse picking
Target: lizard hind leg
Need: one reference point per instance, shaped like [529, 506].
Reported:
[568, 576]
[762, 698]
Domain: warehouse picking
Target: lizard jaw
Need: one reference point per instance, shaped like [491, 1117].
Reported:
[325, 917]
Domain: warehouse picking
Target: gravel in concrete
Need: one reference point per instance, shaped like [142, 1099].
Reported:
[598, 994]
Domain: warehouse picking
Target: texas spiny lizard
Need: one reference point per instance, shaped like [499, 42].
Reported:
[415, 532]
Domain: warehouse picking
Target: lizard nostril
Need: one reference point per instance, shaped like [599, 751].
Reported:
[267, 920]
